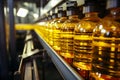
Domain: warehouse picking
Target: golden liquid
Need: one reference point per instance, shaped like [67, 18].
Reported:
[57, 33]
[56, 37]
[83, 50]
[41, 27]
[106, 57]
[50, 33]
[45, 31]
[106, 49]
[67, 34]
[83, 45]
[67, 46]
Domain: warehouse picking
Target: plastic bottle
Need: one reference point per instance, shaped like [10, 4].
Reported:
[106, 45]
[83, 39]
[67, 32]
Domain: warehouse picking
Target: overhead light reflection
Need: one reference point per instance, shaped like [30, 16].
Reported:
[103, 31]
[101, 26]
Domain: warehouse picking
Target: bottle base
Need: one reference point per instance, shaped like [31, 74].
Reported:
[84, 73]
[69, 60]
[99, 76]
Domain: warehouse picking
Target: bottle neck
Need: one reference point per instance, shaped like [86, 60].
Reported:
[71, 12]
[91, 14]
[115, 11]
[73, 16]
[63, 18]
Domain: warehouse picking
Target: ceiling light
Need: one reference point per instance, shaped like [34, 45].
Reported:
[22, 12]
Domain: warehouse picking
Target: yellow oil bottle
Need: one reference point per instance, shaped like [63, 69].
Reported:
[83, 39]
[51, 28]
[56, 29]
[67, 31]
[106, 45]
[47, 30]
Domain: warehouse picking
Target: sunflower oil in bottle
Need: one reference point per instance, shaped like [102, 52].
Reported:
[83, 39]
[41, 26]
[51, 25]
[44, 28]
[106, 45]
[67, 32]
[46, 31]
[48, 28]
[56, 29]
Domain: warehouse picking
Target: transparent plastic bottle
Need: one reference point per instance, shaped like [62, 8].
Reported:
[83, 39]
[41, 25]
[106, 45]
[67, 32]
[48, 29]
[45, 20]
[57, 27]
[51, 26]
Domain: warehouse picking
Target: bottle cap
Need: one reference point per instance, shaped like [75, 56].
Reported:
[90, 6]
[60, 9]
[49, 17]
[62, 14]
[54, 15]
[71, 5]
[72, 8]
[113, 4]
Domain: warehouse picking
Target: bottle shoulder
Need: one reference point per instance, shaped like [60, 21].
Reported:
[109, 27]
[70, 24]
[71, 21]
[110, 23]
[92, 19]
[61, 20]
[87, 24]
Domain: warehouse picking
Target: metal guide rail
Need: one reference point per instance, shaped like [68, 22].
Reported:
[67, 72]
[28, 68]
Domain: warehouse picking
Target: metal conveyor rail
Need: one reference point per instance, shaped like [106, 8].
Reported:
[64, 68]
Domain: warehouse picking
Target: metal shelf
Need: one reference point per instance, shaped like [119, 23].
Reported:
[67, 72]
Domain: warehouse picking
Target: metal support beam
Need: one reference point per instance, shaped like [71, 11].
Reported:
[12, 36]
[41, 7]
[36, 76]
[3, 49]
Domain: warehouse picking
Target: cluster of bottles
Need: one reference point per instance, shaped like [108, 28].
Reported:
[91, 44]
